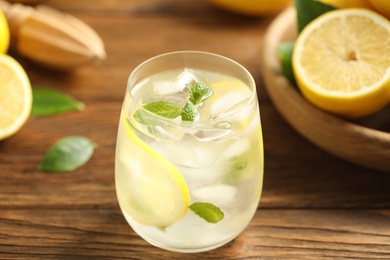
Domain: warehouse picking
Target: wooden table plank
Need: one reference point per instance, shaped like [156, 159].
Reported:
[274, 234]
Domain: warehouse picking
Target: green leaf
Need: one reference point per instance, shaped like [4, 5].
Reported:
[189, 112]
[207, 211]
[67, 154]
[199, 92]
[308, 10]
[47, 102]
[164, 109]
[285, 51]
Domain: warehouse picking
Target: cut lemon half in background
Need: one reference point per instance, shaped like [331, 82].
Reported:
[341, 61]
[159, 195]
[15, 96]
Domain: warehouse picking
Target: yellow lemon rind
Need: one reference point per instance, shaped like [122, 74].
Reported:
[352, 104]
[24, 81]
[172, 173]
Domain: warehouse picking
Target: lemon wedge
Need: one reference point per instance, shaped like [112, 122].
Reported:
[158, 194]
[341, 62]
[15, 96]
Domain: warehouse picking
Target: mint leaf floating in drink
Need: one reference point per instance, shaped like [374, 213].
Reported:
[207, 211]
[189, 112]
[199, 92]
[47, 102]
[67, 154]
[164, 109]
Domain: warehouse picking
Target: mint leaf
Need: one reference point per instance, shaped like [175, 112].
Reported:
[189, 112]
[165, 109]
[145, 118]
[199, 92]
[207, 211]
[67, 154]
[285, 51]
[308, 10]
[47, 102]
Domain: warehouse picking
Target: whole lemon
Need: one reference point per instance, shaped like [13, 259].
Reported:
[382, 7]
[252, 7]
[348, 3]
[4, 34]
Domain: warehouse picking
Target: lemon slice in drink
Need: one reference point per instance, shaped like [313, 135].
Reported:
[341, 62]
[159, 195]
[15, 96]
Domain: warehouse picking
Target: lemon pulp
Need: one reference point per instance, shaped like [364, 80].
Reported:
[15, 97]
[341, 62]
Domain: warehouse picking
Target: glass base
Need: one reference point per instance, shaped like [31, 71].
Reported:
[189, 249]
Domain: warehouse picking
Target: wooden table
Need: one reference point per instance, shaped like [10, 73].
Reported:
[314, 205]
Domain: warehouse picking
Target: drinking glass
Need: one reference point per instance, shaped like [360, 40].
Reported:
[189, 152]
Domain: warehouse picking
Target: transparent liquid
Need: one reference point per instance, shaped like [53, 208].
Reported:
[220, 160]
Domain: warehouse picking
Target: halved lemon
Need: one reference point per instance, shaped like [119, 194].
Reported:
[158, 194]
[341, 62]
[15, 96]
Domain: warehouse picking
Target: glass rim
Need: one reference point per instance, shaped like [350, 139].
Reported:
[203, 124]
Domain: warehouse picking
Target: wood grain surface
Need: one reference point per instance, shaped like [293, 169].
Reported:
[313, 206]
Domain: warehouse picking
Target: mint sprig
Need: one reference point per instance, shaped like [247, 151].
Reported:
[207, 211]
[198, 92]
[189, 112]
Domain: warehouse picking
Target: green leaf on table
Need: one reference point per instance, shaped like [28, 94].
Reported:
[308, 10]
[47, 102]
[207, 211]
[67, 154]
[285, 51]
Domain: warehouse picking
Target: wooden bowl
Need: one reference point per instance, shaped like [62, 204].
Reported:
[348, 140]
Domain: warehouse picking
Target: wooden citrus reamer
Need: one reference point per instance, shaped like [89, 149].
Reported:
[51, 37]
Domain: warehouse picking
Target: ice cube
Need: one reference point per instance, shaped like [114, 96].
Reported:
[167, 132]
[228, 96]
[187, 152]
[219, 194]
[211, 134]
[228, 104]
[236, 149]
[176, 84]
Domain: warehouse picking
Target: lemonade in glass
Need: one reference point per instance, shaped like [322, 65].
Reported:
[189, 156]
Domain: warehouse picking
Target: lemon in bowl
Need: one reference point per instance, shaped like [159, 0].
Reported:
[4, 33]
[252, 7]
[341, 62]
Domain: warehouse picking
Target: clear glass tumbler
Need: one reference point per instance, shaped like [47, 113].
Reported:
[189, 155]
